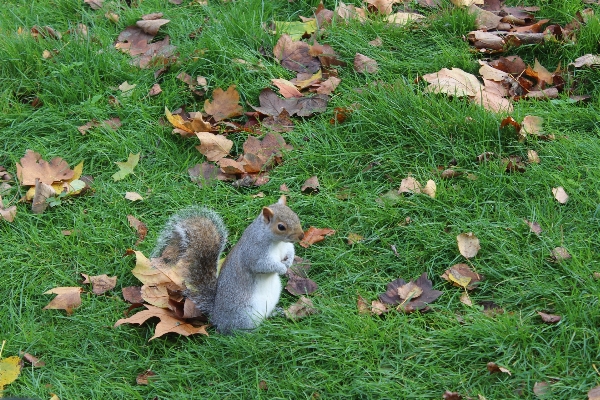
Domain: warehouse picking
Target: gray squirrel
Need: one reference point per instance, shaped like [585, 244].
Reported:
[247, 287]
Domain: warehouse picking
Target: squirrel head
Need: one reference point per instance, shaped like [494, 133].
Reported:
[283, 222]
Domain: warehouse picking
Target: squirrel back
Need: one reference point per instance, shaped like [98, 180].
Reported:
[196, 237]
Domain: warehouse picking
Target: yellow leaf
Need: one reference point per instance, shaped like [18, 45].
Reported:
[177, 121]
[126, 168]
[458, 278]
[10, 368]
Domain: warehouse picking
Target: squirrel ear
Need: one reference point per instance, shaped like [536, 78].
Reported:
[282, 200]
[267, 214]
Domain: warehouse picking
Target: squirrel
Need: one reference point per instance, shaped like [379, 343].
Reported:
[246, 288]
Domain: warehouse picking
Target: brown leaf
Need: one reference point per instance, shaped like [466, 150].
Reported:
[382, 6]
[155, 90]
[364, 64]
[133, 196]
[169, 323]
[409, 185]
[311, 185]
[327, 87]
[279, 123]
[450, 173]
[286, 88]
[301, 309]
[377, 42]
[272, 104]
[7, 214]
[33, 167]
[139, 226]
[465, 299]
[531, 125]
[534, 227]
[428, 295]
[314, 235]
[132, 294]
[409, 291]
[214, 147]
[294, 55]
[549, 318]
[430, 188]
[495, 368]
[468, 244]
[142, 379]
[588, 60]
[594, 394]
[225, 104]
[362, 305]
[42, 193]
[94, 4]
[299, 284]
[100, 283]
[559, 254]
[151, 26]
[560, 195]
[533, 157]
[448, 395]
[34, 361]
[68, 298]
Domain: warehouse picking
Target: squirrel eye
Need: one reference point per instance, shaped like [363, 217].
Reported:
[281, 227]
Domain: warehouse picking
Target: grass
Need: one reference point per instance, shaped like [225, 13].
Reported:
[396, 132]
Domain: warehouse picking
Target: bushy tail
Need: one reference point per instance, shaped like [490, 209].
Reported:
[195, 238]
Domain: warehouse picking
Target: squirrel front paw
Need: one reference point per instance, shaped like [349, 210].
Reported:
[287, 261]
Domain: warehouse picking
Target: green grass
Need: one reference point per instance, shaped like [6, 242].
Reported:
[398, 130]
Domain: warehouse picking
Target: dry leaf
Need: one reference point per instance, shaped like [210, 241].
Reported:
[314, 235]
[549, 318]
[377, 42]
[7, 214]
[468, 244]
[362, 305]
[33, 167]
[225, 104]
[560, 195]
[155, 90]
[169, 322]
[214, 147]
[68, 298]
[286, 88]
[534, 227]
[465, 299]
[403, 18]
[42, 193]
[461, 275]
[300, 309]
[408, 305]
[409, 185]
[495, 368]
[143, 378]
[133, 196]
[132, 294]
[354, 238]
[533, 157]
[10, 368]
[294, 55]
[311, 185]
[594, 394]
[409, 291]
[559, 254]
[430, 189]
[34, 361]
[100, 283]
[448, 395]
[364, 64]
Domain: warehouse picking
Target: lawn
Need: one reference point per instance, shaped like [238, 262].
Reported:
[396, 129]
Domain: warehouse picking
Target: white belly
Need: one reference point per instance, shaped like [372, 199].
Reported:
[280, 250]
[266, 295]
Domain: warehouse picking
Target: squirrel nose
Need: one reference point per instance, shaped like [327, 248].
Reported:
[301, 236]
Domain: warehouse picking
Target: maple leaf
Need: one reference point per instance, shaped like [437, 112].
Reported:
[126, 168]
[169, 322]
[468, 244]
[68, 298]
[225, 104]
[314, 235]
[100, 283]
[214, 147]
[186, 127]
[273, 105]
[418, 294]
[294, 55]
[159, 277]
[10, 368]
[296, 29]
[33, 167]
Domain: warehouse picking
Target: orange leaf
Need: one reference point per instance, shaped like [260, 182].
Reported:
[314, 235]
[225, 104]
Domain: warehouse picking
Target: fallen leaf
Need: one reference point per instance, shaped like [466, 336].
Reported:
[559, 254]
[100, 283]
[151, 26]
[448, 395]
[377, 42]
[279, 123]
[143, 378]
[94, 4]
[112, 17]
[34, 361]
[541, 389]
[531, 125]
[409, 185]
[594, 394]
[354, 238]
[7, 214]
[409, 291]
[311, 185]
[560, 195]
[10, 368]
[468, 244]
[364, 64]
[286, 88]
[314, 235]
[403, 18]
[33, 167]
[495, 368]
[126, 168]
[362, 305]
[382, 6]
[533, 157]
[408, 305]
[272, 104]
[132, 294]
[214, 147]
[298, 283]
[169, 322]
[294, 55]
[68, 298]
[296, 29]
[465, 299]
[155, 90]
[300, 309]
[588, 60]
[549, 318]
[534, 227]
[430, 189]
[461, 275]
[126, 87]
[225, 104]
[133, 196]
[40, 199]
